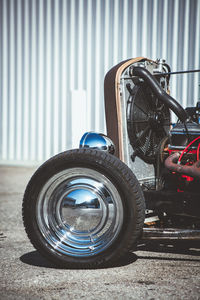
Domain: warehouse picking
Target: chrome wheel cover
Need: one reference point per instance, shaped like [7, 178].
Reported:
[79, 212]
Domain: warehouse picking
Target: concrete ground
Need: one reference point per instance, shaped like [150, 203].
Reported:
[149, 273]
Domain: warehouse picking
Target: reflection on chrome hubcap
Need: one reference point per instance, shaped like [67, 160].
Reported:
[79, 212]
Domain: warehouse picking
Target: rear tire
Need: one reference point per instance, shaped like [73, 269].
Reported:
[83, 208]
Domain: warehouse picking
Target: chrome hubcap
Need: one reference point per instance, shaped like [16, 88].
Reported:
[79, 212]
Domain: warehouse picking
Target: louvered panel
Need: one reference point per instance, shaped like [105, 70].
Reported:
[53, 51]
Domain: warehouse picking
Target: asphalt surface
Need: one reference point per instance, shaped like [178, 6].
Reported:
[150, 273]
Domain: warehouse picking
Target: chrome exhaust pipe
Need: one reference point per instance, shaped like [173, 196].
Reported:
[171, 234]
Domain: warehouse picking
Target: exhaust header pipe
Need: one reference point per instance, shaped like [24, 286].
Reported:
[171, 234]
[171, 164]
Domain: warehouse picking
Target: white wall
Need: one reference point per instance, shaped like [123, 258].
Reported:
[54, 55]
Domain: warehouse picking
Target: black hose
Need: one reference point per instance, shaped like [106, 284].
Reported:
[160, 93]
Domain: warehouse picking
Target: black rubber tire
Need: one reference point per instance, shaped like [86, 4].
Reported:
[122, 178]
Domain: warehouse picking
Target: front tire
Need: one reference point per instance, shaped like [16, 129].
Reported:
[83, 208]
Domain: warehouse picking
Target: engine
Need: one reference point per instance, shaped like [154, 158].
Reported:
[175, 198]
[174, 151]
[181, 157]
[163, 156]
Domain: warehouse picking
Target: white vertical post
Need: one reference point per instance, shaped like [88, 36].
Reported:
[79, 116]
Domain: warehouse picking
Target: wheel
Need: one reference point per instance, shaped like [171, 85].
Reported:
[83, 208]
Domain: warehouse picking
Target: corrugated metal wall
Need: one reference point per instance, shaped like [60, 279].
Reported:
[54, 55]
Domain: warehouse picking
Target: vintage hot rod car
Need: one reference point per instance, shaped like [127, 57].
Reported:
[86, 208]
